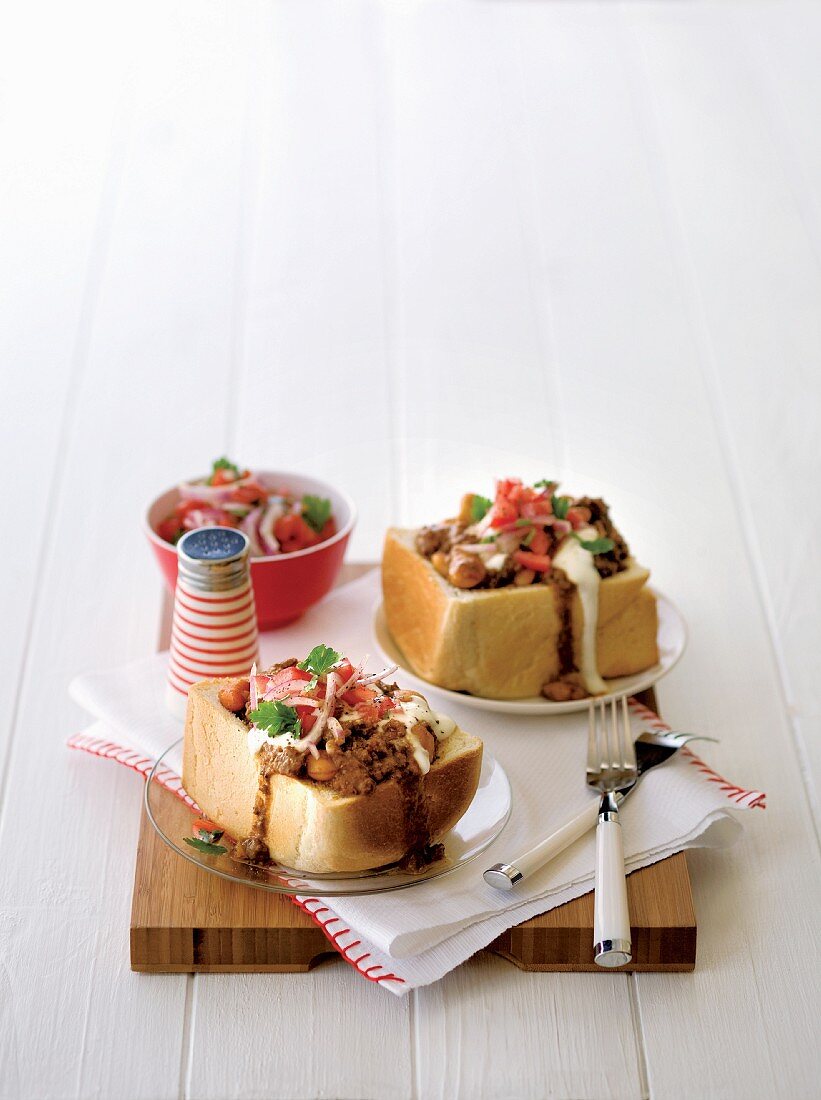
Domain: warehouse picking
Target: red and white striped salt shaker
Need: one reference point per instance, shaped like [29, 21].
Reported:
[214, 629]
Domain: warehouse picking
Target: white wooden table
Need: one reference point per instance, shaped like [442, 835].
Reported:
[409, 247]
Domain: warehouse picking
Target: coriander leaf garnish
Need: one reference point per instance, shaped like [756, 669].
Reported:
[596, 546]
[544, 483]
[275, 717]
[560, 506]
[316, 511]
[320, 660]
[479, 507]
[526, 541]
[224, 464]
[209, 837]
[205, 846]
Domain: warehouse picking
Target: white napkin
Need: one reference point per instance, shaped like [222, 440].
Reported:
[413, 937]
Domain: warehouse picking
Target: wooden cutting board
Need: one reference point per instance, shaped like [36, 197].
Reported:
[184, 919]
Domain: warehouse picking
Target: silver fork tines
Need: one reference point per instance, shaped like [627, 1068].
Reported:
[611, 753]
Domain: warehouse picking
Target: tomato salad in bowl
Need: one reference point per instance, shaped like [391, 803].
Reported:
[275, 519]
[298, 528]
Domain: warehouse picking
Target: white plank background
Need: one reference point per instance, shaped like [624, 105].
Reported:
[408, 247]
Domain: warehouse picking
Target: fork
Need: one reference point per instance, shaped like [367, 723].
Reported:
[611, 767]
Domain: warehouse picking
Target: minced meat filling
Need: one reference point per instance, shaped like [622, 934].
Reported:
[449, 548]
[615, 560]
[365, 755]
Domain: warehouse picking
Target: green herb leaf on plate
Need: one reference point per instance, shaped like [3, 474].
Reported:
[561, 506]
[205, 846]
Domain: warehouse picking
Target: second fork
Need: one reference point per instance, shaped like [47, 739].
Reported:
[611, 767]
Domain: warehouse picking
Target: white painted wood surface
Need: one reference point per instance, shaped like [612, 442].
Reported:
[408, 247]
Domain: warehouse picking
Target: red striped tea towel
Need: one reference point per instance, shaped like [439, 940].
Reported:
[414, 937]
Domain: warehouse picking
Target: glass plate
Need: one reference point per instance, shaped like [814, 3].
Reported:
[485, 818]
[672, 640]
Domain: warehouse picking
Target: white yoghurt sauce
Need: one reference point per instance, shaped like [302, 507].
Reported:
[580, 568]
[413, 710]
[495, 563]
[416, 710]
[258, 738]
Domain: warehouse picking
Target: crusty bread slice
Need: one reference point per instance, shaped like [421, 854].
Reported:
[311, 827]
[503, 643]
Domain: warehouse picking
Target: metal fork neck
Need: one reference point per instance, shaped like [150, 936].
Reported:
[609, 807]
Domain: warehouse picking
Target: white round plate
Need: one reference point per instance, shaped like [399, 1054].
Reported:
[482, 822]
[672, 639]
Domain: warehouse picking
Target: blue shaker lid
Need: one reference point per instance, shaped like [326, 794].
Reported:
[212, 544]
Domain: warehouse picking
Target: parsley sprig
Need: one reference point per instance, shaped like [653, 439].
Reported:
[316, 511]
[206, 841]
[596, 546]
[479, 507]
[320, 660]
[561, 506]
[223, 464]
[275, 717]
[207, 846]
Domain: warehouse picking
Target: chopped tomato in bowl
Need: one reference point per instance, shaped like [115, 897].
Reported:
[298, 528]
[276, 519]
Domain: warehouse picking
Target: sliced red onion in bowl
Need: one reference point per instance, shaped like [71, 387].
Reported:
[250, 527]
[267, 538]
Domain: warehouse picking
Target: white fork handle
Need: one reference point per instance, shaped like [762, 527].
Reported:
[504, 876]
[611, 920]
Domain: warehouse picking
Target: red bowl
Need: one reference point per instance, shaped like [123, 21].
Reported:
[285, 585]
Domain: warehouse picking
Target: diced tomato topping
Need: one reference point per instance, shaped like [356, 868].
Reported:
[384, 704]
[578, 517]
[169, 529]
[509, 487]
[249, 493]
[539, 506]
[359, 694]
[222, 476]
[539, 543]
[293, 533]
[504, 512]
[286, 682]
[539, 563]
[344, 671]
[186, 506]
[307, 718]
[262, 683]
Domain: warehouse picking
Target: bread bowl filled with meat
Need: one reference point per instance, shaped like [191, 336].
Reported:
[529, 593]
[317, 765]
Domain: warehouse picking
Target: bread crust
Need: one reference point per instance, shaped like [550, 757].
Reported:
[309, 826]
[502, 643]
